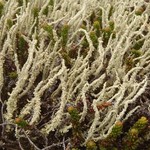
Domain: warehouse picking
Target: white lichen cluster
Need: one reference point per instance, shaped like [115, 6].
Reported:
[107, 72]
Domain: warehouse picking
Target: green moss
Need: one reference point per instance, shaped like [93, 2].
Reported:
[112, 25]
[99, 18]
[96, 26]
[103, 148]
[51, 2]
[21, 43]
[35, 12]
[20, 2]
[141, 124]
[83, 26]
[129, 63]
[13, 74]
[116, 130]
[66, 57]
[85, 43]
[136, 53]
[131, 142]
[94, 38]
[138, 44]
[49, 30]
[132, 139]
[133, 133]
[108, 31]
[21, 48]
[1, 8]
[64, 34]
[21, 122]
[9, 23]
[110, 12]
[73, 113]
[109, 143]
[91, 145]
[45, 11]
[106, 35]
[93, 17]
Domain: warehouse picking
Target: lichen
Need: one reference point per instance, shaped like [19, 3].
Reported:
[76, 68]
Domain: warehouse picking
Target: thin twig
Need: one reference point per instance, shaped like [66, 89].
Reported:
[20, 144]
[54, 145]
[64, 146]
[5, 123]
[30, 140]
[2, 116]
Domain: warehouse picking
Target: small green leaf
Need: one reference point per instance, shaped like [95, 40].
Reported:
[21, 122]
